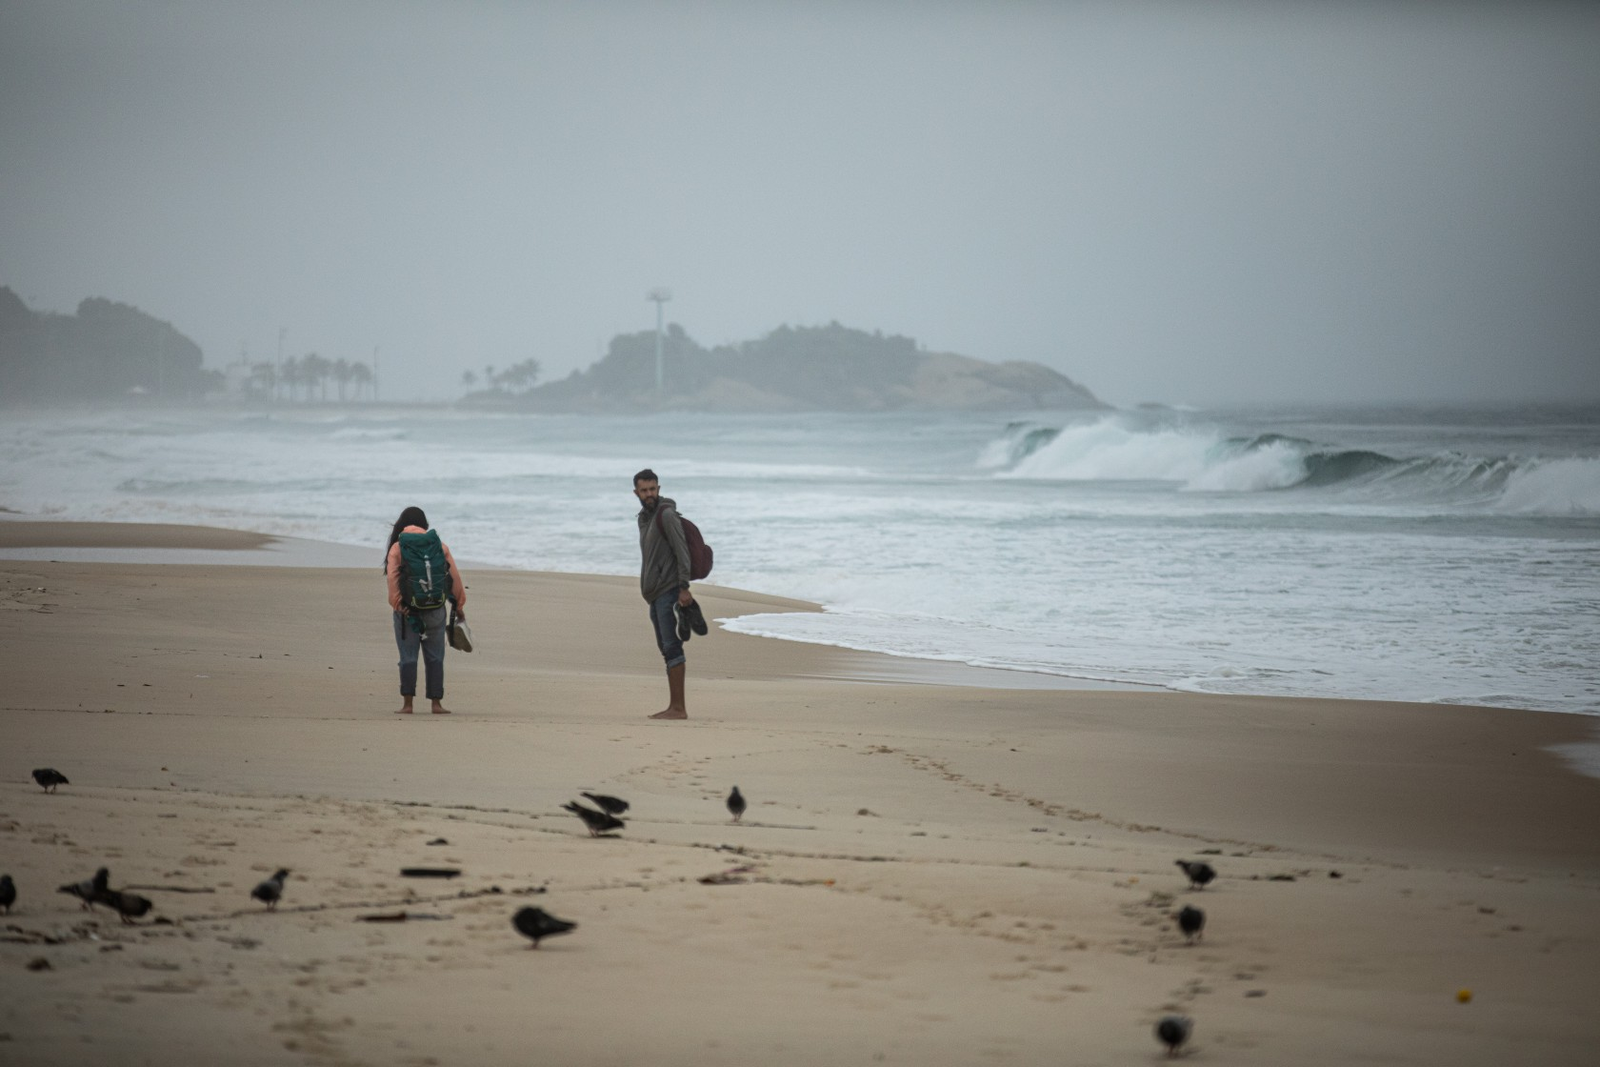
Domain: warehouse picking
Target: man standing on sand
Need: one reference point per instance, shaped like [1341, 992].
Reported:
[664, 580]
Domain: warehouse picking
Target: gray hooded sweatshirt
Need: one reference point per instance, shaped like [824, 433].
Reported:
[666, 553]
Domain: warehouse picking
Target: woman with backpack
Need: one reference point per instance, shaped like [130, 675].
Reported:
[422, 575]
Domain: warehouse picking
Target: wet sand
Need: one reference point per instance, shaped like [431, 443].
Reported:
[929, 873]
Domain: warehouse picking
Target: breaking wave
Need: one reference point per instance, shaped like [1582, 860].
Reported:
[1206, 460]
[1554, 487]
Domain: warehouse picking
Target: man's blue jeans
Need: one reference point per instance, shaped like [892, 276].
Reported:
[430, 643]
[664, 619]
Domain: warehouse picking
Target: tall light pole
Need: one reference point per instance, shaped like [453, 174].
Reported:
[660, 296]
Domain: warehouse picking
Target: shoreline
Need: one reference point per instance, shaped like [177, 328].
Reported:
[928, 873]
[65, 541]
[75, 541]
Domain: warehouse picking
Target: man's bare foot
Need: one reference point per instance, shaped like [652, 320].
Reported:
[405, 709]
[671, 713]
[440, 709]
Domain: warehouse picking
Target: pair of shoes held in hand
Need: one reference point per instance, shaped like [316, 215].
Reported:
[690, 619]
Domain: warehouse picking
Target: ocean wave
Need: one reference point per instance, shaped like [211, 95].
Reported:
[1020, 439]
[362, 433]
[1553, 487]
[1109, 449]
[1204, 459]
[1260, 465]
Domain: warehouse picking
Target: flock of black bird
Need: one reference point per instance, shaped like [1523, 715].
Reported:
[537, 924]
[1173, 1030]
[533, 923]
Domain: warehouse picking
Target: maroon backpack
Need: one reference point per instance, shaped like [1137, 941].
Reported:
[699, 551]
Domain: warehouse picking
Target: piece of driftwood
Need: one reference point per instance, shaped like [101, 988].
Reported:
[172, 888]
[430, 872]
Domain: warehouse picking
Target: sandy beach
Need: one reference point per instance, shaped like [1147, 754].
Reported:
[928, 873]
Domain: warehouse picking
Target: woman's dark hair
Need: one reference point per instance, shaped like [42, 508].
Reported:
[408, 517]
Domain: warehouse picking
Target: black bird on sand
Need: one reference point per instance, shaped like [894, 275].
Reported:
[536, 923]
[49, 778]
[89, 890]
[1191, 920]
[130, 906]
[609, 805]
[270, 891]
[8, 892]
[1199, 871]
[598, 822]
[736, 804]
[1172, 1031]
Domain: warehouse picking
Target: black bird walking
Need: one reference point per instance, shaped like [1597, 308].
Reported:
[609, 805]
[1191, 920]
[49, 778]
[1200, 872]
[88, 891]
[270, 891]
[598, 822]
[129, 906]
[536, 923]
[132, 906]
[8, 892]
[1172, 1031]
[736, 804]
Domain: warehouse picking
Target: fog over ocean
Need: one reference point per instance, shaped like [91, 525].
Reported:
[1408, 554]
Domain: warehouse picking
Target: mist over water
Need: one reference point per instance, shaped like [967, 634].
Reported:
[1251, 201]
[1413, 555]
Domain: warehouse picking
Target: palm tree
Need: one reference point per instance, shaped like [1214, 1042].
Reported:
[361, 374]
[342, 373]
[519, 377]
[316, 369]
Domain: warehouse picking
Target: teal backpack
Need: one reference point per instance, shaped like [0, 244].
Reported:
[424, 572]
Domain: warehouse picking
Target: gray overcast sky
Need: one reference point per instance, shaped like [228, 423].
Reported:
[1187, 202]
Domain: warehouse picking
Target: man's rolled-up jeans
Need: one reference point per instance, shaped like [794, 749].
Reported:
[430, 643]
[663, 618]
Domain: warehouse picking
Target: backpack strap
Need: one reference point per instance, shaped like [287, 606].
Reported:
[663, 528]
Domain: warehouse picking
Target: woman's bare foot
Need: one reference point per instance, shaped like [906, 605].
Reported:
[405, 709]
[440, 709]
[671, 713]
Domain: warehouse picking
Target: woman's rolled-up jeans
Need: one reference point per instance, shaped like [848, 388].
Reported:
[430, 642]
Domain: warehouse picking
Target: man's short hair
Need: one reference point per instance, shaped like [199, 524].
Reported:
[646, 475]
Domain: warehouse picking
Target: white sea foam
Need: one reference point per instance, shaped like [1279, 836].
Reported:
[360, 433]
[1276, 465]
[1110, 449]
[1568, 486]
[1581, 756]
